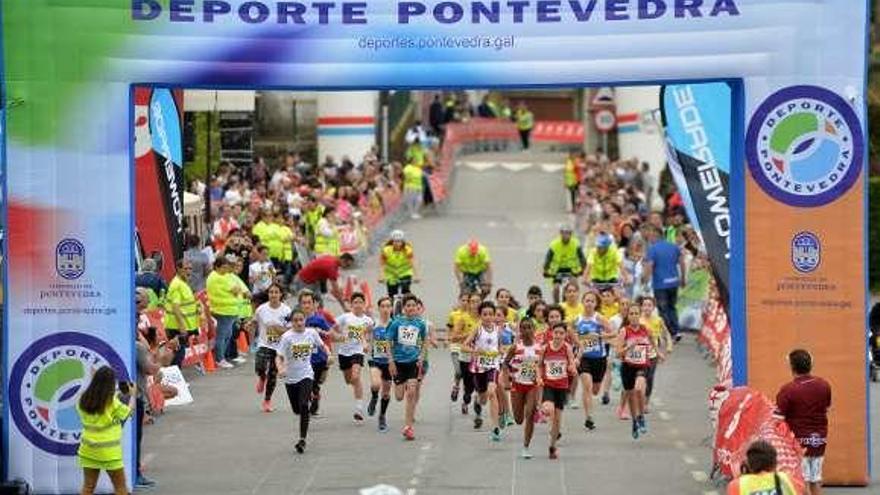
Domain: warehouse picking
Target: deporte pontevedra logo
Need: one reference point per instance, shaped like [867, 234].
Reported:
[805, 146]
[46, 382]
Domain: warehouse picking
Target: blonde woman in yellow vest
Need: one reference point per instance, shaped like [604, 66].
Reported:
[760, 476]
[398, 264]
[326, 234]
[182, 311]
[102, 415]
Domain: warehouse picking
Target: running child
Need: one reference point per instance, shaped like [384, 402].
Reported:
[295, 349]
[508, 338]
[380, 377]
[521, 362]
[465, 326]
[317, 321]
[485, 344]
[407, 335]
[593, 333]
[659, 335]
[351, 332]
[636, 345]
[272, 321]
[556, 367]
[455, 341]
[504, 300]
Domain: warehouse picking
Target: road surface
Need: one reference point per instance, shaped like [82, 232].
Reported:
[223, 444]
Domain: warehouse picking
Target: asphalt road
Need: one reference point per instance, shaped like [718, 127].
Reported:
[223, 444]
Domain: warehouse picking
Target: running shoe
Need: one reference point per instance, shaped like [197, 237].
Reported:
[677, 338]
[643, 425]
[454, 395]
[408, 433]
[267, 406]
[313, 408]
[478, 408]
[144, 482]
[464, 408]
[507, 420]
[240, 360]
[495, 434]
[622, 413]
[589, 424]
[261, 385]
[635, 430]
[225, 365]
[606, 399]
[371, 407]
[383, 424]
[574, 404]
[525, 453]
[478, 422]
[553, 453]
[300, 446]
[358, 416]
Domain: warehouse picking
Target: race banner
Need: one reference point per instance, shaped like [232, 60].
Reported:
[697, 122]
[159, 178]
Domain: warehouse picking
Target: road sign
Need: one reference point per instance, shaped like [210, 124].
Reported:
[605, 120]
[604, 97]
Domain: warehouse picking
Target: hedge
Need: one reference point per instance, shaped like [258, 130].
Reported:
[874, 232]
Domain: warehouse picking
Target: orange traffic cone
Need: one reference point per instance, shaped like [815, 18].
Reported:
[368, 294]
[210, 365]
[242, 343]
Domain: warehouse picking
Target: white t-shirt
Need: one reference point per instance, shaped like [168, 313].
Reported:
[297, 350]
[271, 324]
[262, 271]
[355, 329]
[486, 347]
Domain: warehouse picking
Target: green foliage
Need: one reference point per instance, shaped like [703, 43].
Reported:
[196, 168]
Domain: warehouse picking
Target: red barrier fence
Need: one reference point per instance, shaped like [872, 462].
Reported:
[559, 131]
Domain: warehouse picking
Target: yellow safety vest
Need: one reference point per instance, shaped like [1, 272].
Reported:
[259, 230]
[101, 438]
[415, 155]
[765, 484]
[327, 244]
[472, 264]
[312, 218]
[525, 120]
[604, 267]
[412, 178]
[398, 262]
[245, 310]
[220, 297]
[570, 177]
[286, 243]
[180, 293]
[565, 256]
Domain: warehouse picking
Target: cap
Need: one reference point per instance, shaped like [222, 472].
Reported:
[474, 247]
[565, 228]
[397, 235]
[604, 240]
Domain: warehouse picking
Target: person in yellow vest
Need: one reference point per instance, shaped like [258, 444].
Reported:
[313, 211]
[525, 121]
[564, 259]
[506, 110]
[287, 238]
[102, 415]
[398, 264]
[416, 153]
[326, 234]
[261, 227]
[570, 178]
[223, 301]
[473, 268]
[245, 311]
[272, 239]
[604, 262]
[182, 311]
[413, 189]
[760, 476]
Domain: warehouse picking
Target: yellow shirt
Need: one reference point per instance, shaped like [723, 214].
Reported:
[609, 311]
[572, 311]
[101, 441]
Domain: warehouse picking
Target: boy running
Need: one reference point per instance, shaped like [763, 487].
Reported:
[407, 336]
[485, 344]
[380, 377]
[351, 332]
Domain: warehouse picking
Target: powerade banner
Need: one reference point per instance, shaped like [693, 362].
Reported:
[158, 152]
[796, 185]
[697, 119]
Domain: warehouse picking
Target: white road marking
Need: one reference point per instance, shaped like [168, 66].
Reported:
[479, 166]
[414, 481]
[516, 167]
[513, 475]
[688, 460]
[700, 476]
[419, 468]
[665, 416]
[411, 491]
[311, 478]
[269, 471]
[551, 167]
[713, 492]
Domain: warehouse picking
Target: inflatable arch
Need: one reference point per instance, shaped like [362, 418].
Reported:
[798, 69]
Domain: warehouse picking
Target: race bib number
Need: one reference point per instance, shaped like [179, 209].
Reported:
[355, 333]
[555, 369]
[590, 343]
[408, 336]
[301, 351]
[487, 359]
[455, 348]
[381, 348]
[637, 354]
[528, 371]
[273, 334]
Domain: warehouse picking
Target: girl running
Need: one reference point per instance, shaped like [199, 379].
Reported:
[593, 332]
[351, 332]
[504, 300]
[294, 364]
[636, 346]
[271, 318]
[407, 335]
[659, 335]
[508, 338]
[485, 344]
[609, 307]
[521, 362]
[538, 314]
[380, 377]
[455, 341]
[465, 326]
[556, 366]
[573, 308]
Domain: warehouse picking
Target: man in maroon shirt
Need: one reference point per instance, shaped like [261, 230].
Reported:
[804, 404]
[321, 272]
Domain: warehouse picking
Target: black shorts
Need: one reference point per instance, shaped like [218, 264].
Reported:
[629, 374]
[557, 396]
[406, 372]
[346, 362]
[264, 363]
[320, 370]
[383, 367]
[482, 380]
[594, 366]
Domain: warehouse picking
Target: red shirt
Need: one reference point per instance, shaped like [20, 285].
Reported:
[556, 367]
[804, 403]
[321, 268]
[637, 344]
